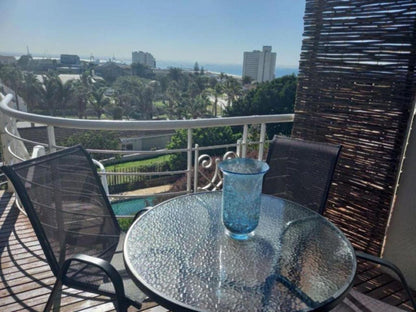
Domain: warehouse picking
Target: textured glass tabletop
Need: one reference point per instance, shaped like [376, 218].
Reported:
[296, 261]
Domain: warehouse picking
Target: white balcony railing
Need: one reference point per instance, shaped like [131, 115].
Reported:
[14, 147]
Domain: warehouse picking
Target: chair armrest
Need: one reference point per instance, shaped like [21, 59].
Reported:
[104, 266]
[391, 266]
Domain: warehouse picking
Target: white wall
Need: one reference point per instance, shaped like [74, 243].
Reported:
[400, 244]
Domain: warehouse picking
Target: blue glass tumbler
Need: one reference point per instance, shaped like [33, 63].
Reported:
[241, 197]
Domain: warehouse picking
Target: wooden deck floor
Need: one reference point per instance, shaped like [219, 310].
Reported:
[26, 280]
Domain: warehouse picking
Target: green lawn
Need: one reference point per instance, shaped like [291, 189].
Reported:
[125, 223]
[140, 163]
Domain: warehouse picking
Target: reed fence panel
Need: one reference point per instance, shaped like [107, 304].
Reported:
[357, 88]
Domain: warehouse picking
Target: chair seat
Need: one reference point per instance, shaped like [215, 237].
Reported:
[132, 292]
[358, 302]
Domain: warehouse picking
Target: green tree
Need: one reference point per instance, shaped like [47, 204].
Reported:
[174, 100]
[52, 93]
[196, 68]
[13, 78]
[193, 89]
[175, 74]
[94, 139]
[141, 70]
[117, 113]
[25, 62]
[67, 89]
[247, 80]
[198, 106]
[134, 97]
[232, 88]
[273, 97]
[80, 98]
[147, 101]
[63, 92]
[202, 137]
[98, 99]
[31, 91]
[110, 71]
[218, 90]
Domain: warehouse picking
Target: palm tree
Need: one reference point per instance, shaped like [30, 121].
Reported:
[13, 78]
[31, 91]
[232, 88]
[67, 89]
[98, 100]
[147, 101]
[193, 89]
[129, 95]
[80, 96]
[174, 99]
[198, 107]
[247, 80]
[175, 73]
[77, 93]
[218, 90]
[62, 94]
[52, 93]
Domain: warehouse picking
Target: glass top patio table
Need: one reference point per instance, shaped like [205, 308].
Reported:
[178, 253]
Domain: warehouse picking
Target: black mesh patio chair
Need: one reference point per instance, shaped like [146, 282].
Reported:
[75, 224]
[301, 171]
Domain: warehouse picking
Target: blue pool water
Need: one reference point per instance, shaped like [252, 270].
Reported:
[131, 206]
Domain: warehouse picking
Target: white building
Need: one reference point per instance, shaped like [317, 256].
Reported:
[260, 65]
[144, 58]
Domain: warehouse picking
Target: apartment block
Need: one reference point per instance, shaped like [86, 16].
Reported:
[260, 65]
[144, 58]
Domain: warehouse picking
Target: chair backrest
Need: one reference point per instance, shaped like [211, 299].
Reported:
[301, 171]
[67, 206]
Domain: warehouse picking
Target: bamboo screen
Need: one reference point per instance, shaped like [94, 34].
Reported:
[356, 88]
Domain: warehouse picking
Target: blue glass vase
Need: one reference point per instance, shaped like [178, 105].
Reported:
[241, 197]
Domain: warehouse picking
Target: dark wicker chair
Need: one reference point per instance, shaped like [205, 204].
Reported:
[76, 227]
[301, 171]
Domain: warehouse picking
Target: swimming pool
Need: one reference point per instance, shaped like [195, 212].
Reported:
[128, 207]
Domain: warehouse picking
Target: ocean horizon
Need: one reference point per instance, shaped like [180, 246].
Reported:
[231, 69]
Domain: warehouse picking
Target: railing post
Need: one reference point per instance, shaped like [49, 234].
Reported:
[261, 144]
[238, 148]
[189, 158]
[5, 140]
[245, 135]
[38, 150]
[103, 176]
[51, 139]
[196, 155]
[15, 149]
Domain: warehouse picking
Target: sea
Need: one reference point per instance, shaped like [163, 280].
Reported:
[230, 69]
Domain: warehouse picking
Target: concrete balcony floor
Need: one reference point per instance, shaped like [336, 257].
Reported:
[26, 279]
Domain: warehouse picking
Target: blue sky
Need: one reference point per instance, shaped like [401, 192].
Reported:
[210, 31]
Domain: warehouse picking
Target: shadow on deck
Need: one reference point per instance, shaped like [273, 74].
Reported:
[26, 280]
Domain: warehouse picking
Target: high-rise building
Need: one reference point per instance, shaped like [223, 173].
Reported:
[143, 58]
[260, 65]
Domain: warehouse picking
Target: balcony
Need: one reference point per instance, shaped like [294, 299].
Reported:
[24, 271]
[357, 87]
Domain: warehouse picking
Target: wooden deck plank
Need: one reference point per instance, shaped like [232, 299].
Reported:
[387, 290]
[26, 279]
